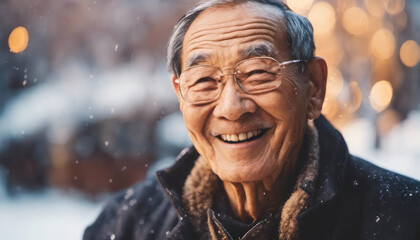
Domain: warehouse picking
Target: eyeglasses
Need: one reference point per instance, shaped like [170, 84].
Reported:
[203, 84]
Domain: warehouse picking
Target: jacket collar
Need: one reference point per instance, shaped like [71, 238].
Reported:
[172, 181]
[334, 157]
[317, 220]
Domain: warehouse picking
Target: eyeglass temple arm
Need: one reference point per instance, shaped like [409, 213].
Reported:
[292, 61]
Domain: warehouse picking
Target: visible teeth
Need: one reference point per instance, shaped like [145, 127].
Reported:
[249, 134]
[234, 138]
[240, 136]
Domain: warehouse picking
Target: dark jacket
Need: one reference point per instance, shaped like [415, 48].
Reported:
[354, 200]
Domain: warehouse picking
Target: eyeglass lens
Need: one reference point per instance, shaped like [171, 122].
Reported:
[202, 84]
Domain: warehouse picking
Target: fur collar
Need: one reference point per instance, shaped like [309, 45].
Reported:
[202, 184]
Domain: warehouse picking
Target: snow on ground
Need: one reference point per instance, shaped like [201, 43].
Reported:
[50, 215]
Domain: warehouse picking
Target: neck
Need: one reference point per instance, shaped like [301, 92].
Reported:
[249, 200]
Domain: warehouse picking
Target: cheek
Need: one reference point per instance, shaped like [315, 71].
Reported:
[285, 104]
[193, 121]
[189, 118]
[195, 118]
[287, 107]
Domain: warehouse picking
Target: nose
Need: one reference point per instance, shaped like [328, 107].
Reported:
[233, 103]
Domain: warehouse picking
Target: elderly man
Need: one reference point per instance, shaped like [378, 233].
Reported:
[261, 167]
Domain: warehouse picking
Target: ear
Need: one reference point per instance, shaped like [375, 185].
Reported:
[175, 85]
[317, 73]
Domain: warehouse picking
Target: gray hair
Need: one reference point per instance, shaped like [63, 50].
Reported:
[299, 31]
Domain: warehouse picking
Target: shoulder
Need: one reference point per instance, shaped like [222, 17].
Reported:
[389, 202]
[134, 212]
[373, 178]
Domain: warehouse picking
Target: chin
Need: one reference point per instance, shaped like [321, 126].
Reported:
[234, 173]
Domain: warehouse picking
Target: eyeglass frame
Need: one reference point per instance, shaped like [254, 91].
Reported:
[285, 63]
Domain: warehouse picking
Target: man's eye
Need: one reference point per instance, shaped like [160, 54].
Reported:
[256, 72]
[203, 80]
[258, 75]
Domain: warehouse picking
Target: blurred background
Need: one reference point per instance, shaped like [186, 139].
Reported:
[87, 108]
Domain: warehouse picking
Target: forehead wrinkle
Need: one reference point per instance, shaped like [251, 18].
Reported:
[210, 44]
[225, 38]
[234, 26]
[238, 33]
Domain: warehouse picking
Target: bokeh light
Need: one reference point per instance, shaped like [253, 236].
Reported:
[410, 53]
[334, 83]
[394, 6]
[18, 39]
[322, 17]
[381, 95]
[330, 49]
[382, 45]
[330, 107]
[375, 7]
[356, 97]
[300, 6]
[355, 21]
[385, 69]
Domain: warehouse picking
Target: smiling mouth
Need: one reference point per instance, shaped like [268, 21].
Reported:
[242, 137]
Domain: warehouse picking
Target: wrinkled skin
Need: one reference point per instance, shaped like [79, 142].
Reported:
[254, 173]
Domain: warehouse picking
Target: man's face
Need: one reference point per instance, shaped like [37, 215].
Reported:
[222, 37]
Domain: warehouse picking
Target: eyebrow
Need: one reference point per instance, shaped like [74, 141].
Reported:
[196, 58]
[260, 50]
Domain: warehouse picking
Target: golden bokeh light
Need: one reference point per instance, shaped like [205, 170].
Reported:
[334, 83]
[410, 53]
[381, 95]
[322, 17]
[385, 69]
[382, 45]
[330, 49]
[355, 21]
[375, 7]
[300, 6]
[394, 6]
[18, 39]
[356, 97]
[330, 108]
